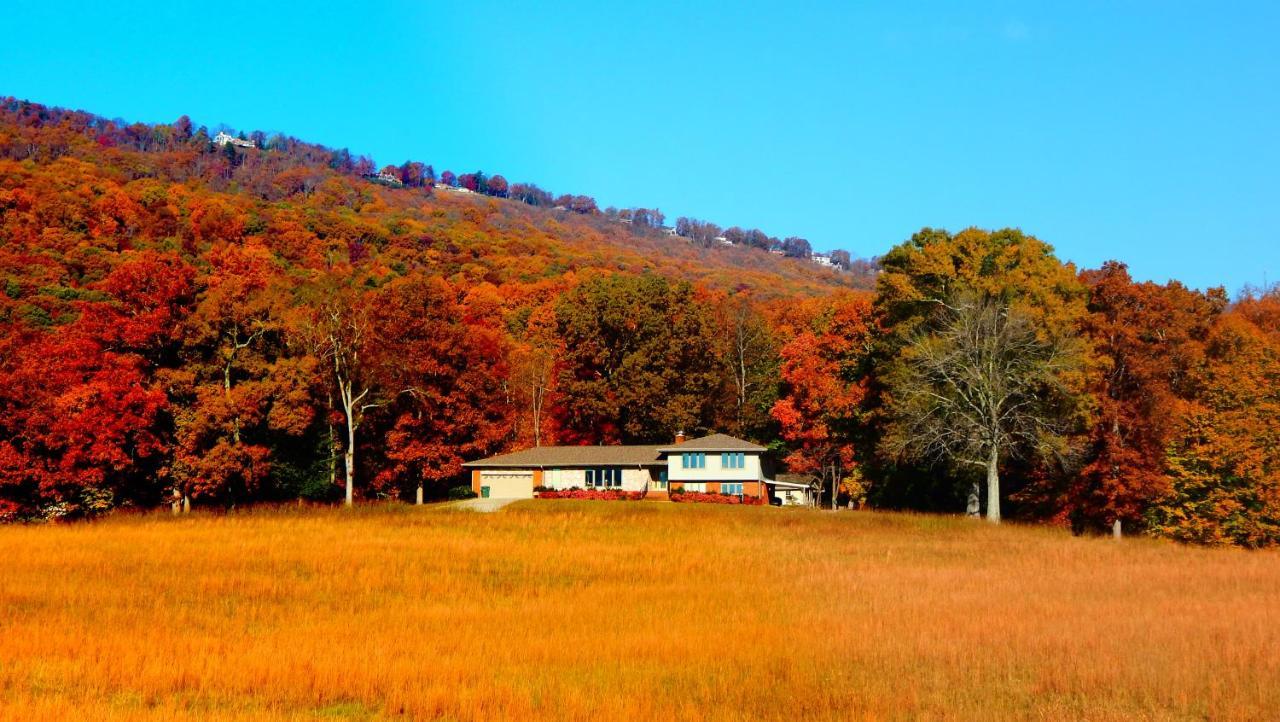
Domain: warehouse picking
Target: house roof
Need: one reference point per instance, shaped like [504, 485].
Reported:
[714, 442]
[635, 455]
[542, 456]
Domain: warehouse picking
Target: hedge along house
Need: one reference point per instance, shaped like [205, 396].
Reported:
[712, 464]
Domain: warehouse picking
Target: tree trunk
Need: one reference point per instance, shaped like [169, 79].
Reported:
[177, 504]
[993, 485]
[349, 455]
[333, 449]
[537, 413]
[186, 504]
[418, 497]
[1116, 529]
[974, 509]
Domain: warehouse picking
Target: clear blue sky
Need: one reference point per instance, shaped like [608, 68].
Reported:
[1143, 131]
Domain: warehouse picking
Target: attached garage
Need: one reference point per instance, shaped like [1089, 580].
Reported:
[506, 484]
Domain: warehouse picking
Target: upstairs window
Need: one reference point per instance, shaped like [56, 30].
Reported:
[733, 460]
[693, 461]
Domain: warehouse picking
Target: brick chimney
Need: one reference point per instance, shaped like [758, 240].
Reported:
[680, 437]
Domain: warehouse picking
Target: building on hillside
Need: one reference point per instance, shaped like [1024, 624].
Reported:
[722, 241]
[222, 139]
[386, 179]
[823, 260]
[669, 231]
[715, 464]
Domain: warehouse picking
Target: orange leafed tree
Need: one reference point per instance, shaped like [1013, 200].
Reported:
[1223, 459]
[823, 378]
[1149, 341]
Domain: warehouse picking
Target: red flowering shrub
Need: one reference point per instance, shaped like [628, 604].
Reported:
[592, 494]
[704, 498]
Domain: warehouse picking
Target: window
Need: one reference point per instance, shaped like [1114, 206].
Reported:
[604, 478]
[727, 488]
[693, 461]
[733, 460]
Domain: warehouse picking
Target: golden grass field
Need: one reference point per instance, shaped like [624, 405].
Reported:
[625, 610]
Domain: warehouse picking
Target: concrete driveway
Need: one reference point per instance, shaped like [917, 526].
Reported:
[484, 505]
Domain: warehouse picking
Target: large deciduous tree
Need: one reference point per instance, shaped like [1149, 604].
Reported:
[335, 322]
[641, 360]
[1223, 459]
[823, 387]
[445, 372]
[752, 360]
[1149, 342]
[979, 384]
[934, 268]
[239, 384]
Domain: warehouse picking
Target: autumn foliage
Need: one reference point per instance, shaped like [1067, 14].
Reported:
[190, 324]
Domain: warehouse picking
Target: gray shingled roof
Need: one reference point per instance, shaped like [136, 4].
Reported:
[714, 442]
[643, 455]
[556, 456]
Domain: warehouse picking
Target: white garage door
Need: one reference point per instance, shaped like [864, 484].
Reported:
[507, 484]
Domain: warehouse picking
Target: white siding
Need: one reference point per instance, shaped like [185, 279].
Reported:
[633, 479]
[713, 470]
[564, 478]
[791, 497]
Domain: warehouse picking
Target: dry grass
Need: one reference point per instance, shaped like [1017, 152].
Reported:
[599, 610]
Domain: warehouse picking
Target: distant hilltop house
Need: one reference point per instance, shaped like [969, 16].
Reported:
[669, 231]
[722, 241]
[386, 179]
[712, 464]
[222, 139]
[823, 260]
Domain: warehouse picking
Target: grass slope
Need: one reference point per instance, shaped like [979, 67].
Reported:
[581, 610]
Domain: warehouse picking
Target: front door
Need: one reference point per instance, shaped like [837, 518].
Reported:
[484, 492]
[660, 483]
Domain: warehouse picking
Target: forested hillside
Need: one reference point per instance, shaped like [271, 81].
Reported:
[227, 323]
[191, 320]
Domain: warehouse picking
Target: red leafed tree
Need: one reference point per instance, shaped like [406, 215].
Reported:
[82, 426]
[823, 387]
[150, 295]
[1148, 340]
[237, 385]
[498, 186]
[444, 376]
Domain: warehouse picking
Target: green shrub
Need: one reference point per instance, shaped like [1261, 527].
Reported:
[461, 492]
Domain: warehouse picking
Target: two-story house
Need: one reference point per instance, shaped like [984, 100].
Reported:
[713, 464]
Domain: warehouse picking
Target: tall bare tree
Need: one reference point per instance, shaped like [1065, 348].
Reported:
[339, 330]
[531, 378]
[980, 384]
[753, 364]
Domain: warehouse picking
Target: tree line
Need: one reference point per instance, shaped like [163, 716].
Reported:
[178, 329]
